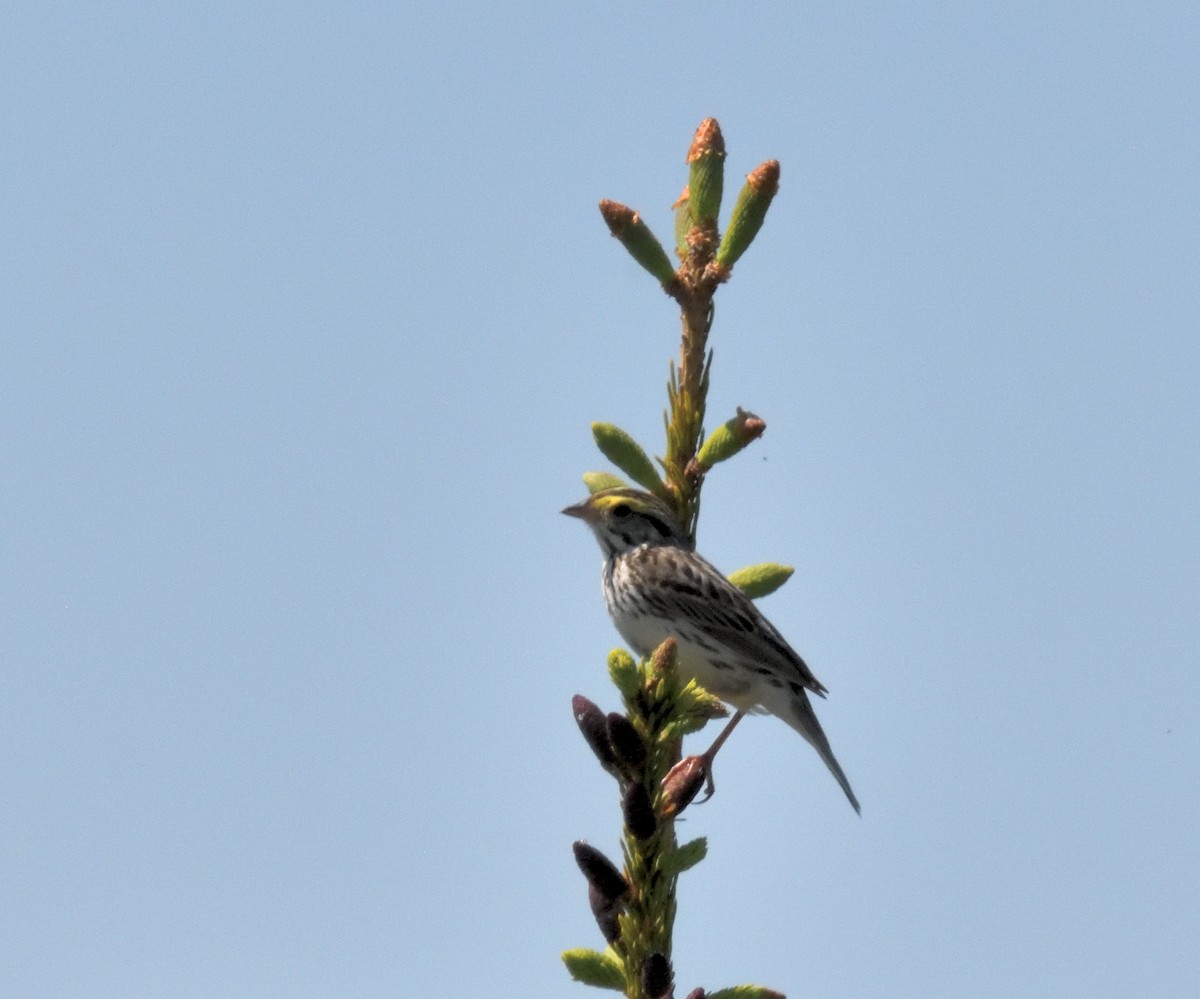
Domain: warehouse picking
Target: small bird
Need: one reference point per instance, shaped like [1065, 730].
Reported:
[656, 587]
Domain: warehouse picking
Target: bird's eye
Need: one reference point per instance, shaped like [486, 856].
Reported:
[621, 510]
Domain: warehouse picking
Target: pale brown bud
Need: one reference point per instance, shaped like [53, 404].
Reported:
[682, 784]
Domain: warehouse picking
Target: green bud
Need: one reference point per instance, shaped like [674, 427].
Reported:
[683, 222]
[697, 706]
[624, 223]
[686, 856]
[602, 970]
[729, 438]
[758, 580]
[706, 177]
[749, 213]
[598, 481]
[627, 454]
[623, 672]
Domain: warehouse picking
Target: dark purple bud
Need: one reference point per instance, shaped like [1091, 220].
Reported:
[594, 726]
[600, 872]
[682, 784]
[639, 813]
[626, 744]
[606, 911]
[656, 976]
[695, 994]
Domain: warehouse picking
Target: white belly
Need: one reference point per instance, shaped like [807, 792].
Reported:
[737, 686]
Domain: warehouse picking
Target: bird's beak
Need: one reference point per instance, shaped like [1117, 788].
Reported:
[580, 510]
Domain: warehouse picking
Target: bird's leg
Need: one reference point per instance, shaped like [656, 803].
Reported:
[684, 779]
[710, 754]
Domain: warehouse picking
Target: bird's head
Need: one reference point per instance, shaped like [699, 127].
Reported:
[624, 518]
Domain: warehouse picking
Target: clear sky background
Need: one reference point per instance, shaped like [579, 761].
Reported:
[305, 313]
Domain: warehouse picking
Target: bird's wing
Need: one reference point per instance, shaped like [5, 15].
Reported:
[706, 598]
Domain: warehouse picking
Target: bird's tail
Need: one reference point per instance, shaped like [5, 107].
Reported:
[804, 720]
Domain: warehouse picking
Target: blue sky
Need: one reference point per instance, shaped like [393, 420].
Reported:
[306, 312]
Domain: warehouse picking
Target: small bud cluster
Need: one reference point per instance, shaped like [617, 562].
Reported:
[640, 748]
[621, 751]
